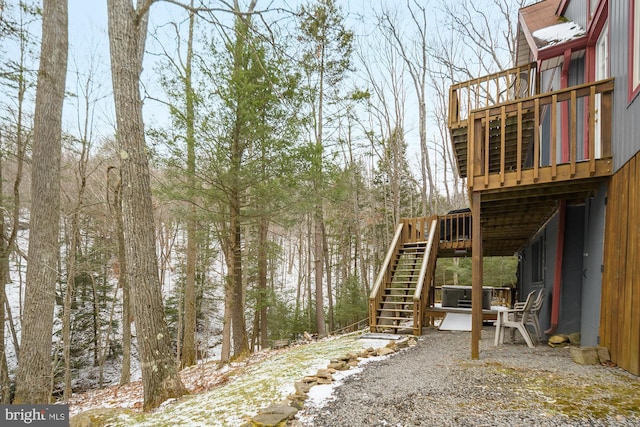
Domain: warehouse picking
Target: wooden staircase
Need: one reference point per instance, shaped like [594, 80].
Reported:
[399, 298]
[395, 311]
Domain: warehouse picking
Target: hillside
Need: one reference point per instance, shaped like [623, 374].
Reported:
[227, 396]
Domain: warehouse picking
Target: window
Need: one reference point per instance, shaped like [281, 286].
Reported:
[634, 49]
[537, 261]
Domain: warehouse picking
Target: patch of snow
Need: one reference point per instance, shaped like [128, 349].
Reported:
[225, 397]
[558, 33]
[373, 343]
[321, 394]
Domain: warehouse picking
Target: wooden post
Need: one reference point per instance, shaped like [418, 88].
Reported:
[476, 277]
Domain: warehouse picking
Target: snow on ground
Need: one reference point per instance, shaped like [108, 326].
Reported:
[226, 397]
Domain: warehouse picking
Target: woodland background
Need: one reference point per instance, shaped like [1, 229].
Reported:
[286, 141]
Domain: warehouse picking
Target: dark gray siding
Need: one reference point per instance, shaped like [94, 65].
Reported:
[548, 238]
[592, 267]
[577, 12]
[626, 116]
[571, 287]
[571, 291]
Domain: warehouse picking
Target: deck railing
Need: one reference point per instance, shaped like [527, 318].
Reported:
[569, 128]
[415, 229]
[455, 230]
[504, 86]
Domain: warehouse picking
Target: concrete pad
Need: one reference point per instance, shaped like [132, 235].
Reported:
[456, 322]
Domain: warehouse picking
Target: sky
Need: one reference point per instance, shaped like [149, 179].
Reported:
[89, 44]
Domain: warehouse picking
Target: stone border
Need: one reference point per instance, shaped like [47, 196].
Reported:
[279, 415]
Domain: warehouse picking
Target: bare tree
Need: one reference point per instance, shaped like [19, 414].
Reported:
[478, 25]
[33, 379]
[188, 356]
[388, 98]
[14, 140]
[127, 35]
[414, 55]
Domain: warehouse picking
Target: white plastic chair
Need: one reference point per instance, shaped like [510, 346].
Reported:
[515, 318]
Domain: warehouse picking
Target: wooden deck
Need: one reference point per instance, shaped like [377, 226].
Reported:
[511, 144]
[524, 152]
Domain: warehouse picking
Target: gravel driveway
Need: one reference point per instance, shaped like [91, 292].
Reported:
[437, 384]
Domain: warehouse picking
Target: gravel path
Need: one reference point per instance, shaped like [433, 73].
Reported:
[437, 384]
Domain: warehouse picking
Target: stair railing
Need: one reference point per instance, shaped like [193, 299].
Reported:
[426, 271]
[384, 277]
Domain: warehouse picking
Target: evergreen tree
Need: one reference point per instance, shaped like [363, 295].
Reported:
[327, 45]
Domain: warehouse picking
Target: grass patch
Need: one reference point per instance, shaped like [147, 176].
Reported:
[256, 386]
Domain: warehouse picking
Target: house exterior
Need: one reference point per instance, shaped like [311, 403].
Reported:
[551, 153]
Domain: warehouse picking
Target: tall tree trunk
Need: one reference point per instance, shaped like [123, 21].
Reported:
[66, 317]
[8, 244]
[5, 388]
[318, 213]
[125, 372]
[34, 374]
[225, 352]
[189, 344]
[309, 274]
[127, 34]
[239, 328]
[327, 262]
[262, 281]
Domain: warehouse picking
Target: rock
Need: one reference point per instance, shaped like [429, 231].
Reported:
[558, 340]
[354, 363]
[585, 355]
[402, 342]
[574, 338]
[274, 416]
[337, 365]
[383, 351]
[324, 374]
[603, 355]
[302, 387]
[297, 400]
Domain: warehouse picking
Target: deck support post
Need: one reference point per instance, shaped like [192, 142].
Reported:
[476, 277]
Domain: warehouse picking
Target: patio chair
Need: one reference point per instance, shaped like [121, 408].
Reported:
[533, 320]
[515, 318]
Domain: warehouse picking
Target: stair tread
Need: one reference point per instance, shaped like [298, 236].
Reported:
[396, 302]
